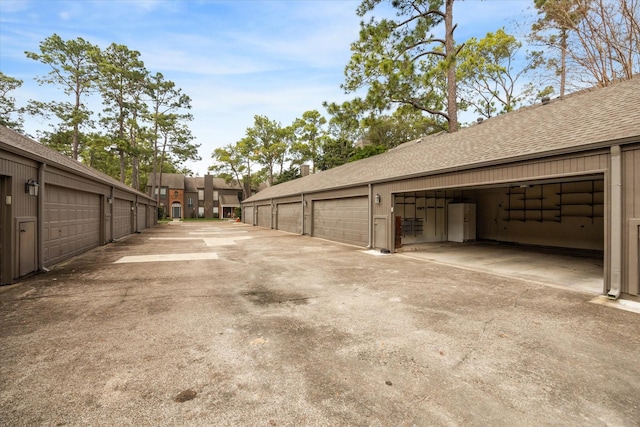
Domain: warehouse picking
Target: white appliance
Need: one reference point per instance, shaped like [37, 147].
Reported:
[461, 222]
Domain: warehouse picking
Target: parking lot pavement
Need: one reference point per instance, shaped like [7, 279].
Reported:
[219, 323]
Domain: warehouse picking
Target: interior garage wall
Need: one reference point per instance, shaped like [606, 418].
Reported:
[568, 215]
[423, 215]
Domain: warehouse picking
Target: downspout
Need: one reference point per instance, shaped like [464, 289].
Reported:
[616, 223]
[370, 217]
[41, 216]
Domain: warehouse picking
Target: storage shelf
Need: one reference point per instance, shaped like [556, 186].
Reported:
[572, 201]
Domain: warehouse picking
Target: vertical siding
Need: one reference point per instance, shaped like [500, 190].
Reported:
[631, 216]
[19, 172]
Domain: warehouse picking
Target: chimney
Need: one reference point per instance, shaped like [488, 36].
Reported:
[304, 170]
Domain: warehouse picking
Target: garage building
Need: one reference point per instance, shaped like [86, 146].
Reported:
[53, 208]
[563, 173]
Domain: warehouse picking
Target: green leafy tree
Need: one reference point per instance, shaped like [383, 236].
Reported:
[168, 107]
[123, 80]
[404, 124]
[99, 153]
[309, 131]
[8, 107]
[287, 175]
[490, 74]
[228, 163]
[342, 130]
[73, 69]
[400, 61]
[269, 149]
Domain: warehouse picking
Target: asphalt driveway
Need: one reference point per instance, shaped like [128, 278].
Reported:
[219, 323]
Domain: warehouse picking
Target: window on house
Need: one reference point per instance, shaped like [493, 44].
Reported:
[163, 192]
[215, 195]
[190, 202]
[200, 194]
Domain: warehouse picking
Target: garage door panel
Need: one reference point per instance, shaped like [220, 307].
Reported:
[264, 216]
[290, 217]
[122, 215]
[342, 220]
[247, 215]
[72, 224]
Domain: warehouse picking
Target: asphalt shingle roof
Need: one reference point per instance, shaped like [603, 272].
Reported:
[591, 117]
[174, 181]
[20, 144]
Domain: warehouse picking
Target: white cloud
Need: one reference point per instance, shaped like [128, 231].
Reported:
[235, 59]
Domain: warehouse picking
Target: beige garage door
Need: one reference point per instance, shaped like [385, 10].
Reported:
[290, 217]
[122, 218]
[264, 216]
[72, 224]
[342, 220]
[247, 215]
[143, 210]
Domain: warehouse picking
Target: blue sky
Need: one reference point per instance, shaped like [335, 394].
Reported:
[235, 59]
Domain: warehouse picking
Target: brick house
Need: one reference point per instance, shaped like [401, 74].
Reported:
[181, 196]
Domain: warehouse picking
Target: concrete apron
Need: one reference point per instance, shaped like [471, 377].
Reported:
[573, 269]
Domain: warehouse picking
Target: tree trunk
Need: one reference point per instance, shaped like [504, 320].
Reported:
[452, 98]
[563, 61]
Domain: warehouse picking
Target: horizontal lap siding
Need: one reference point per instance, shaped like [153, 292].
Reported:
[72, 224]
[343, 220]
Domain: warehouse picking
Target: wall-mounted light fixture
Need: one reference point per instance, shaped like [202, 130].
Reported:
[305, 203]
[377, 198]
[110, 200]
[31, 187]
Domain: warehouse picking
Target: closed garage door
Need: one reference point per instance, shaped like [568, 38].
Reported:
[342, 220]
[122, 215]
[289, 217]
[264, 216]
[142, 217]
[247, 215]
[72, 224]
